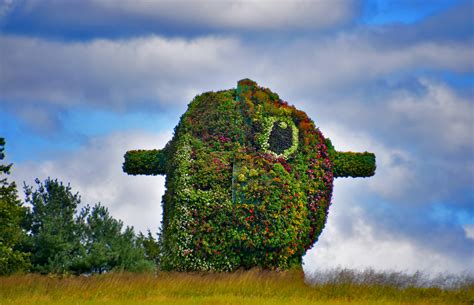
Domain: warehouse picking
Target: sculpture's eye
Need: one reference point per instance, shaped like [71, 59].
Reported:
[279, 137]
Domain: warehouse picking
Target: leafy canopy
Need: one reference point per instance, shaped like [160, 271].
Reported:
[64, 240]
[12, 216]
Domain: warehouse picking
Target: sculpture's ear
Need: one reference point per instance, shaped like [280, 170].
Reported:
[249, 91]
[351, 164]
[145, 162]
[245, 88]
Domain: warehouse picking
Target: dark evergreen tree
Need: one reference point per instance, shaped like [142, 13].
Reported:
[131, 255]
[55, 231]
[12, 216]
[150, 245]
[92, 241]
[107, 247]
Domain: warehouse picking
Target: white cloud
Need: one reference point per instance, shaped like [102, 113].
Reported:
[422, 138]
[469, 231]
[227, 14]
[394, 178]
[112, 73]
[167, 71]
[351, 60]
[439, 118]
[5, 7]
[361, 232]
[95, 171]
[352, 240]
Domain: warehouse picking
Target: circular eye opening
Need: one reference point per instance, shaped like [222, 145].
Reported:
[280, 136]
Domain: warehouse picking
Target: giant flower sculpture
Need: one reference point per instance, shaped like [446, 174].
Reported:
[249, 180]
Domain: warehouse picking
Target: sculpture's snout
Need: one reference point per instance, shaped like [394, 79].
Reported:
[351, 164]
[144, 162]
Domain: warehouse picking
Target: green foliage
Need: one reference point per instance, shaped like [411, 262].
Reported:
[144, 162]
[106, 247]
[231, 200]
[55, 233]
[12, 218]
[249, 183]
[65, 241]
[351, 164]
[150, 245]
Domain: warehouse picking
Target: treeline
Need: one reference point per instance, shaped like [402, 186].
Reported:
[49, 234]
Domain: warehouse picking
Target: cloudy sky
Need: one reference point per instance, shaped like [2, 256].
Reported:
[83, 81]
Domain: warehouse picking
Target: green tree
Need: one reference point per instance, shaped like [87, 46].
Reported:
[12, 217]
[107, 247]
[92, 241]
[55, 231]
[150, 245]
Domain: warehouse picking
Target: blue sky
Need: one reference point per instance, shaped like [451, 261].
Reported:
[81, 82]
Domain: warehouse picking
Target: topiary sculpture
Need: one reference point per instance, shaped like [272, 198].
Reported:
[248, 182]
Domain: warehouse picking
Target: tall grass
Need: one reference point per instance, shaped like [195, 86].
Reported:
[396, 279]
[244, 287]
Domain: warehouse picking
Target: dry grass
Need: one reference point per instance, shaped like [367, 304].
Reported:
[250, 287]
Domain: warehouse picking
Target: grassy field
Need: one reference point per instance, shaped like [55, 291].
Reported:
[249, 287]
